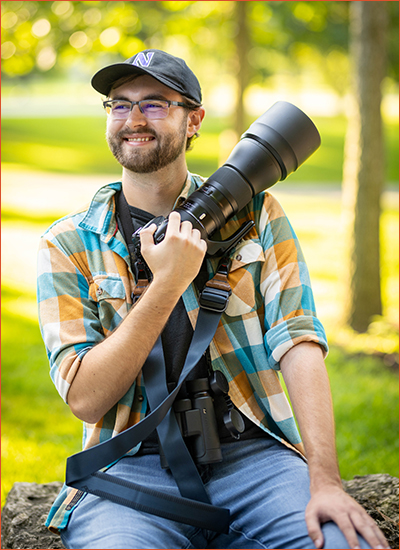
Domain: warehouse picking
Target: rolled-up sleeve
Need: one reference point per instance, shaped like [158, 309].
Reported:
[68, 315]
[290, 313]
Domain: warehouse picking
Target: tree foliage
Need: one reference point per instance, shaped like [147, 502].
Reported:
[56, 37]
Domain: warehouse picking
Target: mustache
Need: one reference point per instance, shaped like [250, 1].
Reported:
[124, 133]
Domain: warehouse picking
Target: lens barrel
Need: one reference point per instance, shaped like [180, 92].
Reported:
[273, 147]
[288, 134]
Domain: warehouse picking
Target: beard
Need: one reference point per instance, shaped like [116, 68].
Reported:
[168, 148]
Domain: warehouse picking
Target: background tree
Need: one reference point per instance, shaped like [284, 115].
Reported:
[364, 162]
[242, 43]
[234, 46]
[54, 154]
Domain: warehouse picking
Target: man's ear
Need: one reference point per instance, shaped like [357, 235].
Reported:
[195, 119]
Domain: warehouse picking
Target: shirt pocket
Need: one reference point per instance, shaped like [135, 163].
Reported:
[109, 293]
[247, 261]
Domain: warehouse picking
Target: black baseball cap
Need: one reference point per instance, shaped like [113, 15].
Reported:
[164, 67]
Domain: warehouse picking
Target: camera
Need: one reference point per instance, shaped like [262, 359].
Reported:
[273, 147]
[197, 422]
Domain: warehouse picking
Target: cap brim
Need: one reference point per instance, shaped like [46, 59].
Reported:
[103, 80]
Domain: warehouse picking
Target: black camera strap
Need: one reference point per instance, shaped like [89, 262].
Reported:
[193, 506]
[83, 468]
[138, 265]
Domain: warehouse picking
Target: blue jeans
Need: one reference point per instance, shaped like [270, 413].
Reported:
[264, 484]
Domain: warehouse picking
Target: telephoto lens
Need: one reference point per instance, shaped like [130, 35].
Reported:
[273, 147]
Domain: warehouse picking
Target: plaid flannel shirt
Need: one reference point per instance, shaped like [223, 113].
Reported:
[84, 292]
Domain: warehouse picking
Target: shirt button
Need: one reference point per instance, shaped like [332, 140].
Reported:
[238, 257]
[140, 398]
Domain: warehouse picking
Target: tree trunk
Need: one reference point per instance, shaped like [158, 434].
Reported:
[363, 174]
[242, 41]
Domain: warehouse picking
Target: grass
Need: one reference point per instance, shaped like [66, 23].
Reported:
[39, 432]
[78, 145]
[366, 411]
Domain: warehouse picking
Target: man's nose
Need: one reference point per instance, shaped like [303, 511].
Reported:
[136, 117]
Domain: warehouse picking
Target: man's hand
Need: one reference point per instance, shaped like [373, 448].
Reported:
[307, 381]
[178, 258]
[109, 369]
[333, 504]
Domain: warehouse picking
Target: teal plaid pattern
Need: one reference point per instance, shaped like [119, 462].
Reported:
[84, 292]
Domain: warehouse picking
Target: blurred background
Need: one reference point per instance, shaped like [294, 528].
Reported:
[337, 61]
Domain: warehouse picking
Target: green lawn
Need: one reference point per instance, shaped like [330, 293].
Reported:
[39, 432]
[78, 145]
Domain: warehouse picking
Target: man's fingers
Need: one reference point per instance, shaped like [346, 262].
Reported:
[185, 228]
[370, 531]
[314, 530]
[174, 222]
[146, 235]
[348, 529]
[351, 518]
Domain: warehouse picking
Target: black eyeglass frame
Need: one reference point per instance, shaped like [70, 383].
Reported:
[138, 103]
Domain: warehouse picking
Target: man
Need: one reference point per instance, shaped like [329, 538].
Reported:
[99, 336]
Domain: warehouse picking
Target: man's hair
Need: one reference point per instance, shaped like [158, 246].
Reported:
[191, 104]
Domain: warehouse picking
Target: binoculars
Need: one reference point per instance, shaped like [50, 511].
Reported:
[197, 421]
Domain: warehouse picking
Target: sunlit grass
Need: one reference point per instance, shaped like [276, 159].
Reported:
[78, 145]
[39, 432]
[366, 405]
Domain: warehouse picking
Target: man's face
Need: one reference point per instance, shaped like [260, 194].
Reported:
[142, 145]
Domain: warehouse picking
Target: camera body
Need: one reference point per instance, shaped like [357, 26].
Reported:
[273, 147]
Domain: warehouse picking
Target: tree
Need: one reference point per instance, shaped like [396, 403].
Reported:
[242, 42]
[363, 176]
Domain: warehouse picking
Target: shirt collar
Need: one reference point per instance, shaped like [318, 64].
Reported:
[100, 217]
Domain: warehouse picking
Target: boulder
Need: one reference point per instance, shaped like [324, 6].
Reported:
[28, 504]
[378, 494]
[24, 515]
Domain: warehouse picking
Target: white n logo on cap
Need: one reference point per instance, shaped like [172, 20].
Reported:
[141, 60]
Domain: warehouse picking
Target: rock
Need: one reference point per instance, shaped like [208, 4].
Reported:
[379, 495]
[24, 515]
[28, 504]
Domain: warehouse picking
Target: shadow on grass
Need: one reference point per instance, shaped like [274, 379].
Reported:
[39, 432]
[8, 215]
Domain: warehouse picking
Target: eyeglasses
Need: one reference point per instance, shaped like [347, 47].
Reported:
[119, 109]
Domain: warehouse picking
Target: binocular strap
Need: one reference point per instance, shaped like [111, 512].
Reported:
[193, 507]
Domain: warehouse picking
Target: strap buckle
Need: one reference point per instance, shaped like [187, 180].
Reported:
[215, 295]
[215, 300]
[143, 277]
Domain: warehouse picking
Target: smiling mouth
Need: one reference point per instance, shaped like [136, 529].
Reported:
[139, 139]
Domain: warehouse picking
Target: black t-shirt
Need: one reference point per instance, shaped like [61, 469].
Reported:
[176, 338]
